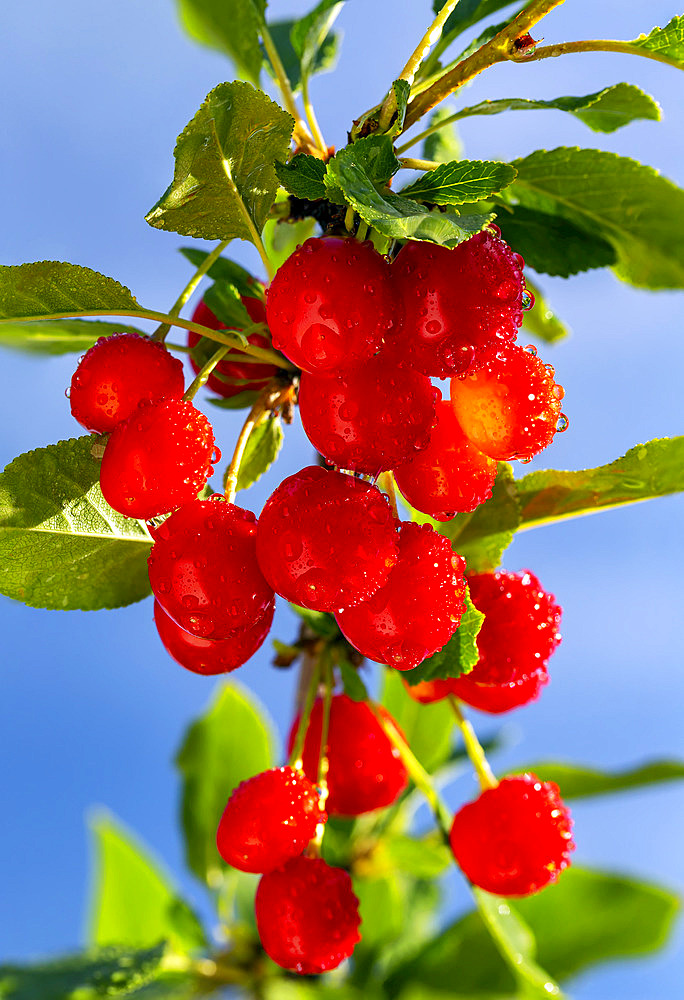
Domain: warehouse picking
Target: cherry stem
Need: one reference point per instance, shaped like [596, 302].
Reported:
[389, 486]
[302, 135]
[419, 776]
[329, 682]
[311, 674]
[409, 163]
[175, 309]
[311, 116]
[204, 373]
[261, 406]
[473, 747]
[594, 45]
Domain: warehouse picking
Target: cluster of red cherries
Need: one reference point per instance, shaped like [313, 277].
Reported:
[367, 337]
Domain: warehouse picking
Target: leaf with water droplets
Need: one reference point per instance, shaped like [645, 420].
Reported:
[224, 180]
[667, 42]
[49, 287]
[61, 545]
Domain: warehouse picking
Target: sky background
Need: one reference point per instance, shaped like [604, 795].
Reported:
[92, 709]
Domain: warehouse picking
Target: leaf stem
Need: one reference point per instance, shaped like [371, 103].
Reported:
[311, 117]
[419, 776]
[501, 48]
[205, 266]
[310, 665]
[204, 373]
[408, 163]
[389, 486]
[594, 45]
[473, 747]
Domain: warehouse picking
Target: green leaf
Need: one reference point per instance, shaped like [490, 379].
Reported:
[59, 336]
[578, 782]
[397, 217]
[551, 244]
[281, 238]
[50, 287]
[309, 34]
[224, 300]
[352, 682]
[422, 858]
[134, 903]
[303, 176]
[325, 60]
[428, 728]
[231, 26]
[232, 741]
[605, 111]
[263, 447]
[402, 92]
[541, 321]
[619, 917]
[624, 202]
[460, 654]
[374, 155]
[483, 536]
[111, 972]
[61, 544]
[461, 181]
[320, 622]
[242, 401]
[468, 13]
[381, 907]
[646, 471]
[667, 42]
[226, 270]
[224, 180]
[445, 144]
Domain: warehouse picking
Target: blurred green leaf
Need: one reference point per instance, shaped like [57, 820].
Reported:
[263, 448]
[224, 178]
[421, 858]
[225, 301]
[541, 321]
[309, 36]
[232, 741]
[241, 401]
[445, 144]
[428, 728]
[320, 622]
[225, 270]
[381, 905]
[551, 244]
[460, 181]
[578, 782]
[352, 681]
[281, 238]
[59, 336]
[231, 26]
[133, 902]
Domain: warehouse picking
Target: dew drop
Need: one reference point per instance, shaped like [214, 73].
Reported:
[527, 300]
[563, 423]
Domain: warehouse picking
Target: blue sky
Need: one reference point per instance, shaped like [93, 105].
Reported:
[92, 709]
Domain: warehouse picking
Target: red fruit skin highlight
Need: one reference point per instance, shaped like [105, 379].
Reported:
[326, 540]
[417, 610]
[204, 572]
[451, 476]
[365, 771]
[514, 839]
[158, 459]
[117, 374]
[251, 377]
[331, 305]
[458, 303]
[511, 406]
[371, 418]
[307, 916]
[268, 820]
[492, 698]
[211, 656]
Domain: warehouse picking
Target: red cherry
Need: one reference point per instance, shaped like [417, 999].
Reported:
[326, 540]
[515, 838]
[520, 630]
[492, 698]
[331, 305]
[450, 476]
[211, 656]
[230, 378]
[268, 820]
[307, 916]
[419, 608]
[458, 303]
[511, 407]
[158, 459]
[370, 418]
[116, 374]
[365, 771]
[204, 571]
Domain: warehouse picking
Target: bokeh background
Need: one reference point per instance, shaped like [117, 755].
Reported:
[91, 707]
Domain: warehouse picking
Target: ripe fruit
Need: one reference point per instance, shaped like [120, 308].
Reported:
[204, 571]
[211, 656]
[307, 916]
[417, 610]
[326, 540]
[520, 630]
[498, 698]
[230, 378]
[458, 303]
[515, 838]
[116, 374]
[510, 407]
[450, 476]
[365, 771]
[370, 418]
[268, 820]
[331, 304]
[158, 459]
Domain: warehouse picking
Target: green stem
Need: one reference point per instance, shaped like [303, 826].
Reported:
[389, 486]
[501, 48]
[302, 134]
[204, 373]
[329, 681]
[349, 219]
[473, 748]
[205, 266]
[311, 664]
[419, 776]
[409, 163]
[595, 45]
[267, 399]
[311, 117]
